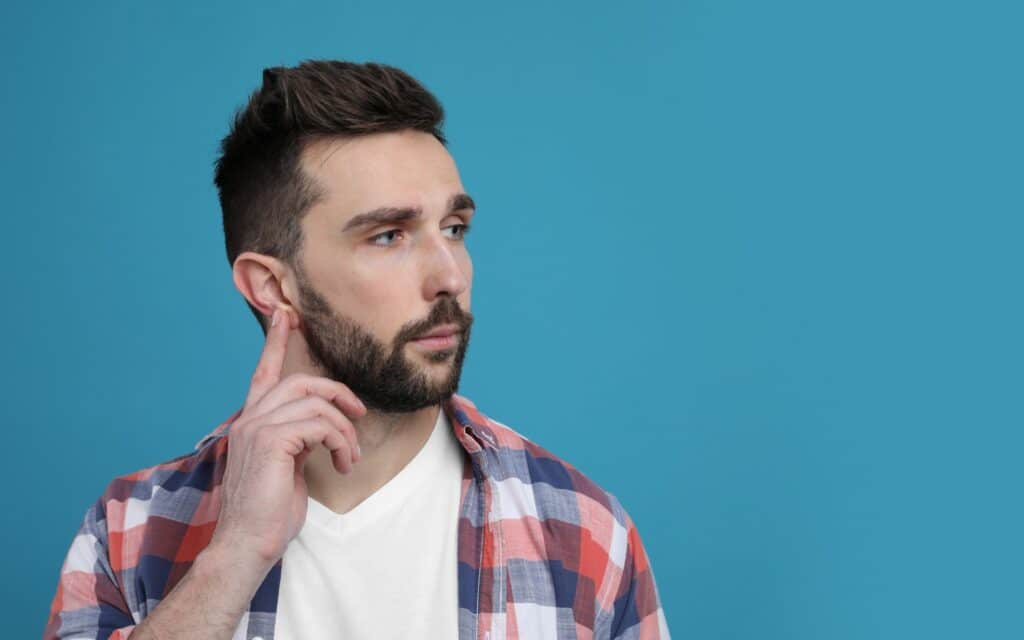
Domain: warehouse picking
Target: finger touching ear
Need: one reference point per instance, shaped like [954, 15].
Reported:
[258, 278]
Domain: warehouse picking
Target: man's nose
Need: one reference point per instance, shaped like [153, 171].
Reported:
[443, 268]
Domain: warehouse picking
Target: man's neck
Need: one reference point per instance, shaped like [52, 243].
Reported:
[387, 442]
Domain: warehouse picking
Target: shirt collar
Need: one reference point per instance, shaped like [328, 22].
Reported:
[467, 420]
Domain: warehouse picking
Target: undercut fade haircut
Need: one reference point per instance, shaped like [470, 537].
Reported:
[263, 190]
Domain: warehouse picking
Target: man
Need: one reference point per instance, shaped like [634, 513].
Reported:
[355, 493]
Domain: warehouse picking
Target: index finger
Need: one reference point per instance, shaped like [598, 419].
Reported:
[271, 362]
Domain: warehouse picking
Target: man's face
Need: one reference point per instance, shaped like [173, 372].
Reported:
[367, 291]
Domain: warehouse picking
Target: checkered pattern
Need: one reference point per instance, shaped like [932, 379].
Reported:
[543, 551]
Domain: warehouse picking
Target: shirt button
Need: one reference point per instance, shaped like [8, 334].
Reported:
[257, 638]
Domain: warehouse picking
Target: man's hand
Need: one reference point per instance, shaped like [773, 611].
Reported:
[264, 495]
[263, 501]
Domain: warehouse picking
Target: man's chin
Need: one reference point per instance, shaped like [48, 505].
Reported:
[432, 400]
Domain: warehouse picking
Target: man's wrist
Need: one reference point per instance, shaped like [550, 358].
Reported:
[219, 561]
[209, 600]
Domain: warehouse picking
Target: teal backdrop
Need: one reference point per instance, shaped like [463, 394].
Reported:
[754, 267]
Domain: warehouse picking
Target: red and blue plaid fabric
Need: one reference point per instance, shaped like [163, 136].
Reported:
[543, 551]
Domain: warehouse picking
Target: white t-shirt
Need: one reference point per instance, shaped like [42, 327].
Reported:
[387, 568]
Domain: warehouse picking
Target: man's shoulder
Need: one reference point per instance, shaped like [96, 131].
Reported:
[549, 511]
[533, 481]
[191, 471]
[174, 495]
[147, 526]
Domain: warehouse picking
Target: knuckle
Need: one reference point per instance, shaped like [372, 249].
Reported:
[336, 440]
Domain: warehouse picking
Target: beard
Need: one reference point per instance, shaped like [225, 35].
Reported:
[380, 374]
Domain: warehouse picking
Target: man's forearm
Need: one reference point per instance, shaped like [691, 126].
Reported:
[208, 602]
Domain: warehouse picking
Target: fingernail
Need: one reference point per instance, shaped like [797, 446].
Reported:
[275, 318]
[359, 452]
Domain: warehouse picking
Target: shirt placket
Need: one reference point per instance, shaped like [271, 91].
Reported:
[491, 539]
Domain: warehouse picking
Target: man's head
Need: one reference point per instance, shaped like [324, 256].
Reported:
[341, 202]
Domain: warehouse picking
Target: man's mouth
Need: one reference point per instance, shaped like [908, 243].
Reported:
[441, 337]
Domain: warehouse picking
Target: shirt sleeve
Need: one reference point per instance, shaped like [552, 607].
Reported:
[637, 613]
[88, 602]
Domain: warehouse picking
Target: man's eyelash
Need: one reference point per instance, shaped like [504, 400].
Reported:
[465, 229]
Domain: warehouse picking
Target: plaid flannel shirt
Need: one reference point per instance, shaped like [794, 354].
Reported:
[543, 552]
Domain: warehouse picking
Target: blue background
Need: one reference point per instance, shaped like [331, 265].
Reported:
[753, 267]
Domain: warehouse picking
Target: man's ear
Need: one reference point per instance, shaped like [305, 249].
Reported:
[259, 278]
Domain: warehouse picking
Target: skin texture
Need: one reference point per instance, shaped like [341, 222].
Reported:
[361, 296]
[386, 377]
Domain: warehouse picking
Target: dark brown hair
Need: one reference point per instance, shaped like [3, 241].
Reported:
[263, 191]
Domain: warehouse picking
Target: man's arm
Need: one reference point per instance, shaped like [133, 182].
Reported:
[88, 602]
[631, 592]
[207, 603]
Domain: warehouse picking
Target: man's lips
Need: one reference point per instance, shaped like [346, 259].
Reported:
[441, 337]
[441, 332]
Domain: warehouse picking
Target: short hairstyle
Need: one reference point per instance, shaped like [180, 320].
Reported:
[263, 191]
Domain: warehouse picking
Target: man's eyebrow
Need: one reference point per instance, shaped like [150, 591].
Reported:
[386, 215]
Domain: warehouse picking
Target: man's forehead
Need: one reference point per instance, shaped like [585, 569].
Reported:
[390, 169]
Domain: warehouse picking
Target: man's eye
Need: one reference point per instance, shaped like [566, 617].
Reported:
[463, 229]
[381, 235]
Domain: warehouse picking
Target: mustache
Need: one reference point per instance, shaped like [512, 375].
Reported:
[446, 312]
